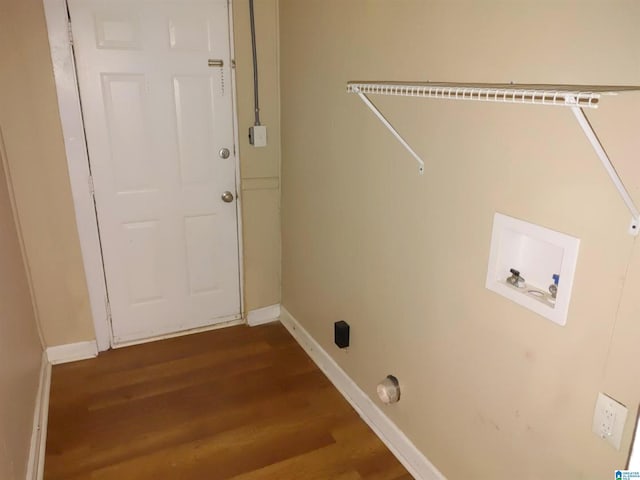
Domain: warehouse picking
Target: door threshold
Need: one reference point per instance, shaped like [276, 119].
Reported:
[224, 324]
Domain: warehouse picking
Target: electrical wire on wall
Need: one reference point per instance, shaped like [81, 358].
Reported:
[258, 132]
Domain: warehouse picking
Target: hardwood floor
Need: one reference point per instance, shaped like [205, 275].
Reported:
[238, 403]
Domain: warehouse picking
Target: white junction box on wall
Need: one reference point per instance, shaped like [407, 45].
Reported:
[258, 136]
[526, 260]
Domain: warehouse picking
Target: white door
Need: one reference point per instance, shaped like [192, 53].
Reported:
[155, 86]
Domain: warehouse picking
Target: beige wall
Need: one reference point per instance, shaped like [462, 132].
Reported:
[29, 117]
[491, 390]
[260, 167]
[20, 347]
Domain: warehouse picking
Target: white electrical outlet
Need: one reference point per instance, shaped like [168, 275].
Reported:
[609, 419]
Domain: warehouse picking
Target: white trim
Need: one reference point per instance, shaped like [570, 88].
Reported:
[78, 164]
[236, 148]
[406, 452]
[35, 467]
[263, 315]
[72, 352]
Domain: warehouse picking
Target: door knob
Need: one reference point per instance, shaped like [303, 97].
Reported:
[227, 197]
[224, 153]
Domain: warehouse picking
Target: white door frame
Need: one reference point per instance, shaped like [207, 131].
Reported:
[64, 71]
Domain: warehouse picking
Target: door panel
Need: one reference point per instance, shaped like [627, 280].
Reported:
[143, 258]
[194, 121]
[156, 116]
[126, 108]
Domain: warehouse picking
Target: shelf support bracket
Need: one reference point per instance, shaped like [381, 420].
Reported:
[395, 133]
[587, 128]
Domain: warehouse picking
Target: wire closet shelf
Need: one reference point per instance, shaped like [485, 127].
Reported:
[576, 97]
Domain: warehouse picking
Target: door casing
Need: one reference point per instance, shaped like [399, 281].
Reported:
[56, 14]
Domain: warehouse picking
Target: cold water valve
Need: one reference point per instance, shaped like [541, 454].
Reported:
[553, 288]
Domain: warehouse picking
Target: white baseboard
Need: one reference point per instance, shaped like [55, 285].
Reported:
[72, 352]
[406, 452]
[263, 315]
[35, 467]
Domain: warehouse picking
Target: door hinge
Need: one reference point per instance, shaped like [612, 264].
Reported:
[92, 189]
[70, 31]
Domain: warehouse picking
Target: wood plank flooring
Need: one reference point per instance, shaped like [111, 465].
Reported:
[238, 403]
